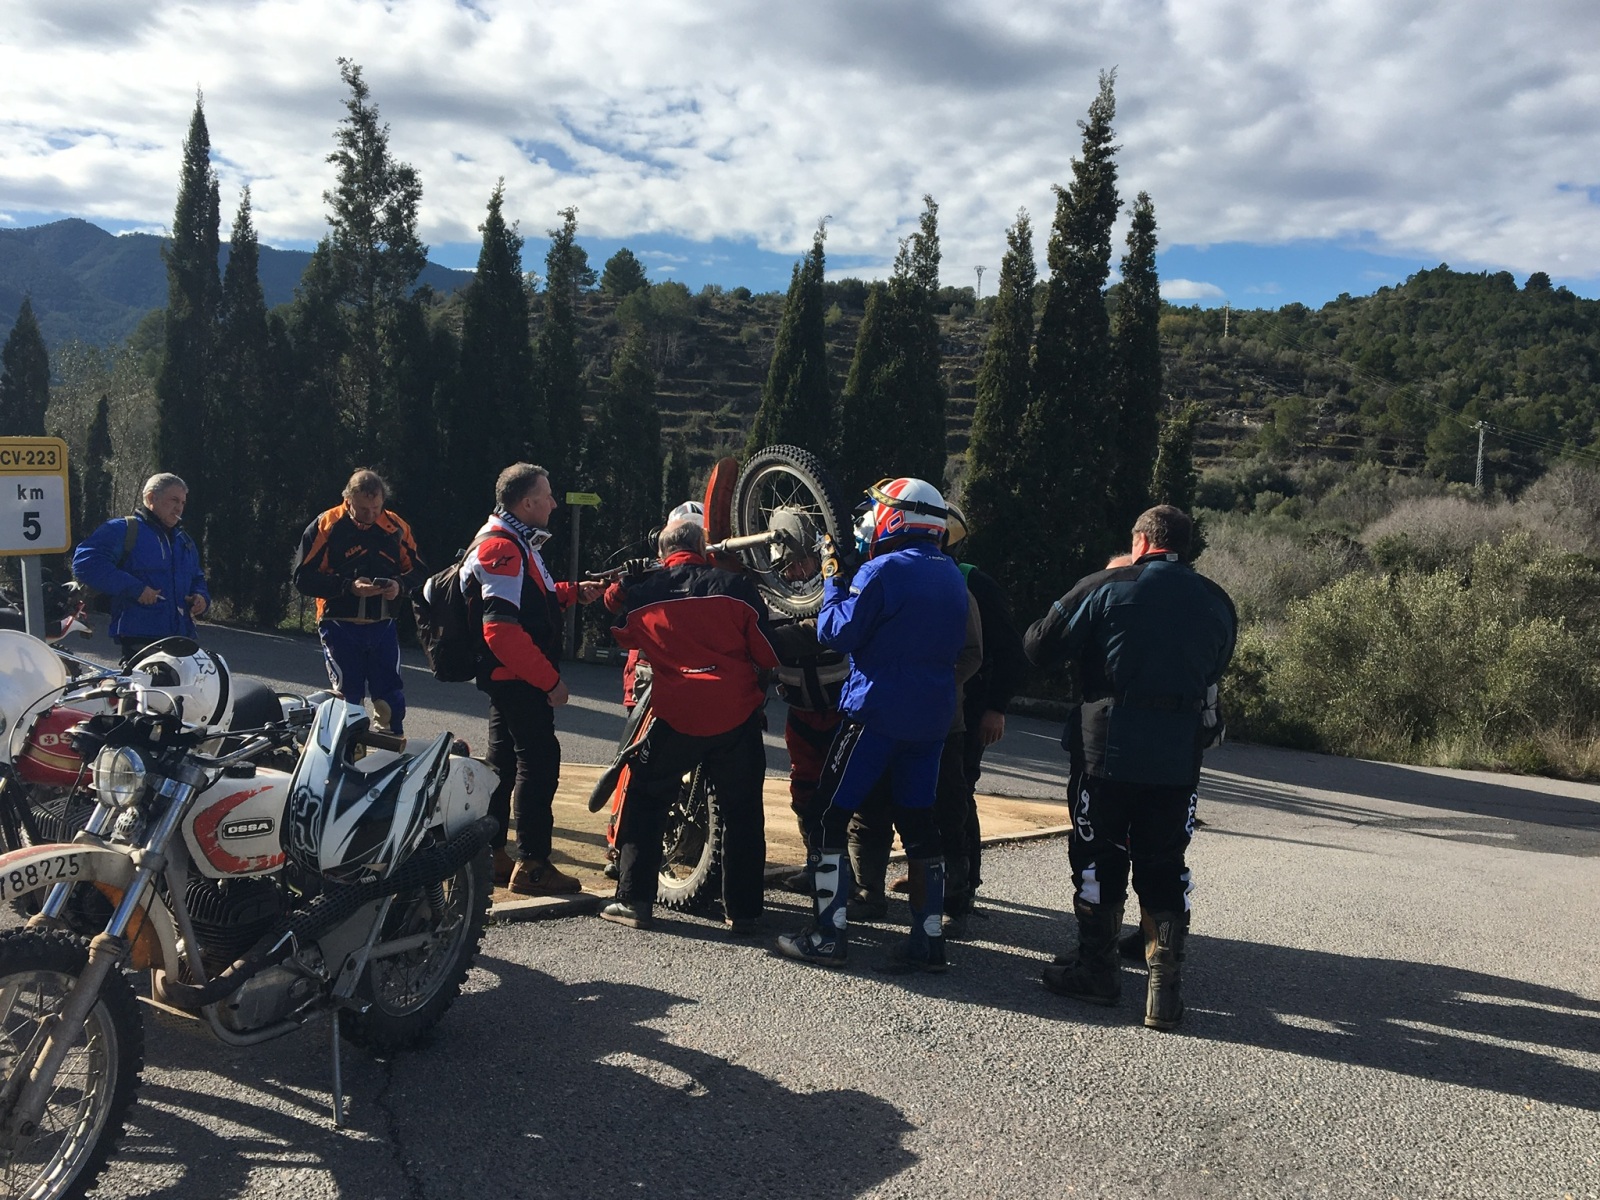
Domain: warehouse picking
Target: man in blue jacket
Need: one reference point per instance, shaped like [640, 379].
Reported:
[148, 566]
[902, 619]
[1150, 640]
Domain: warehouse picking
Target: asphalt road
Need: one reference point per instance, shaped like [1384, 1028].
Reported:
[1392, 985]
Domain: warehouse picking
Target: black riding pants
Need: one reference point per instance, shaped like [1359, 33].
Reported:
[524, 752]
[736, 764]
[1114, 823]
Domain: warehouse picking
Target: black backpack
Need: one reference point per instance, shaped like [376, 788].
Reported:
[95, 599]
[450, 631]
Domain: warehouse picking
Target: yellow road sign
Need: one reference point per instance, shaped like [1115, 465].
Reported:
[33, 496]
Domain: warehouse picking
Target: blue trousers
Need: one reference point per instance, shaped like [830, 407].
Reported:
[364, 657]
[857, 761]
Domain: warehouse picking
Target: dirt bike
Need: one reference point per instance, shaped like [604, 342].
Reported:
[356, 888]
[767, 520]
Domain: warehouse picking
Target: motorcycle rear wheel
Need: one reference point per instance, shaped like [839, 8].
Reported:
[691, 850]
[408, 993]
[792, 479]
[84, 1115]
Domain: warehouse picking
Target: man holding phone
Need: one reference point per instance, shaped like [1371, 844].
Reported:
[357, 560]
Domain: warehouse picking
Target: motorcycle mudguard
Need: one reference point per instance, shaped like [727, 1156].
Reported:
[719, 499]
[39, 868]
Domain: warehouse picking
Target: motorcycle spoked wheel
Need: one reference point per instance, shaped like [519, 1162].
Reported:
[94, 1088]
[691, 847]
[407, 993]
[787, 477]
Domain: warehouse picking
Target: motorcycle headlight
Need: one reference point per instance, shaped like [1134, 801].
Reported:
[119, 776]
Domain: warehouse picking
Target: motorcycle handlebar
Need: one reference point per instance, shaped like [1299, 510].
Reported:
[379, 740]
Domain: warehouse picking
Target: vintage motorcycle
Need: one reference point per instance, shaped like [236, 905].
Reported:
[355, 887]
[767, 520]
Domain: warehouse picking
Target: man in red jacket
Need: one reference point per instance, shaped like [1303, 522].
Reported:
[705, 633]
[521, 604]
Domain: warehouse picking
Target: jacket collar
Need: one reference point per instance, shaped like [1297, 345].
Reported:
[531, 536]
[679, 557]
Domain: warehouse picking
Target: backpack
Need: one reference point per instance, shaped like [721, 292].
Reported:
[450, 631]
[98, 601]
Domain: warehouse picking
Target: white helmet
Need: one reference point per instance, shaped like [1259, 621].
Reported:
[689, 510]
[350, 825]
[187, 681]
[897, 508]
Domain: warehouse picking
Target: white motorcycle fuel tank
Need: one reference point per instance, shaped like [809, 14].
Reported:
[235, 827]
[31, 678]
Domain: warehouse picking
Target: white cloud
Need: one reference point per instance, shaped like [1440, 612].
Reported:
[1445, 131]
[1190, 289]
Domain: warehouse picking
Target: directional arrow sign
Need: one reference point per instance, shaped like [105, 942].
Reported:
[33, 496]
[588, 499]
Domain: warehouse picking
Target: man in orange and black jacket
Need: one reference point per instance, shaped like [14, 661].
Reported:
[357, 560]
[706, 635]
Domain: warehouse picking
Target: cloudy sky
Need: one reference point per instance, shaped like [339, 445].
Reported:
[1293, 150]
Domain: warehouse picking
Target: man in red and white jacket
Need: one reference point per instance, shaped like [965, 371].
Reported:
[505, 578]
[705, 633]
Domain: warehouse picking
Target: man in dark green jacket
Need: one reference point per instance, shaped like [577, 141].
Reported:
[1150, 641]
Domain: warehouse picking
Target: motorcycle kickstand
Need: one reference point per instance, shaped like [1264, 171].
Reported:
[336, 1047]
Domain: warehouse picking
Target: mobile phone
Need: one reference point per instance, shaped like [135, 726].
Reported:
[383, 583]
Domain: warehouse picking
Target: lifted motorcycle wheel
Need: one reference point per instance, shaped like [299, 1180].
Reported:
[691, 850]
[787, 478]
[95, 1086]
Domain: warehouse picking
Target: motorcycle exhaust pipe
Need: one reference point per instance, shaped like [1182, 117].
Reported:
[432, 865]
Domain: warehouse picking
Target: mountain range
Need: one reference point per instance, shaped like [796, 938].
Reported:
[90, 285]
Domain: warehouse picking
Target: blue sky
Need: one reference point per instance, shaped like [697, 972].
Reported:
[1293, 152]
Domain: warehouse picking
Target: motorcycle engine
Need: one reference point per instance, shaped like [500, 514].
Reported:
[229, 915]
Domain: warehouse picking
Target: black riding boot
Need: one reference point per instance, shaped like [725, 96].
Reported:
[804, 881]
[1164, 936]
[869, 862]
[1095, 976]
[957, 896]
[923, 949]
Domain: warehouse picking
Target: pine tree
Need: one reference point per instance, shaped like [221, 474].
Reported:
[995, 511]
[623, 275]
[1070, 427]
[494, 388]
[24, 377]
[560, 370]
[185, 386]
[1137, 343]
[624, 451]
[94, 480]
[892, 411]
[373, 259]
[796, 406]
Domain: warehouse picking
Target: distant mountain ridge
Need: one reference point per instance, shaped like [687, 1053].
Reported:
[95, 286]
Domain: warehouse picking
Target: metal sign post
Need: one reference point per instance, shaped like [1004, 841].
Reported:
[33, 514]
[577, 501]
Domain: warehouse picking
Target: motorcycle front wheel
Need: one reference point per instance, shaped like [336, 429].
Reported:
[787, 488]
[83, 1116]
[691, 847]
[408, 991]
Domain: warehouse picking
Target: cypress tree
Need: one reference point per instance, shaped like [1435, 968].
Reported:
[624, 451]
[24, 377]
[494, 389]
[1069, 428]
[995, 512]
[1174, 479]
[242, 422]
[796, 406]
[676, 480]
[94, 481]
[185, 386]
[892, 412]
[1137, 343]
[560, 369]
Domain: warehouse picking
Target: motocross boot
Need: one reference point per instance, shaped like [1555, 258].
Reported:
[804, 881]
[1164, 937]
[1095, 975]
[827, 941]
[869, 863]
[957, 896]
[923, 949]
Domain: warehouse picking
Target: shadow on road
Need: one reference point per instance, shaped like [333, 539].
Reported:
[529, 1088]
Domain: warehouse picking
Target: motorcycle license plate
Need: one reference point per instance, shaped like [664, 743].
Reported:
[43, 872]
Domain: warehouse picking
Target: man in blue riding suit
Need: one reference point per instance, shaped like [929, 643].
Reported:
[902, 619]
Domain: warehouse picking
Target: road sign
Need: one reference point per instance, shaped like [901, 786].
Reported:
[33, 496]
[588, 499]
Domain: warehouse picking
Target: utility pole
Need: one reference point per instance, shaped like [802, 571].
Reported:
[1477, 481]
[1225, 315]
[978, 295]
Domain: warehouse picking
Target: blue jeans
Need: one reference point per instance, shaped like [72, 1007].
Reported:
[364, 657]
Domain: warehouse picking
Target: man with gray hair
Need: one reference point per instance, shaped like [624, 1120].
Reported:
[148, 566]
[706, 635]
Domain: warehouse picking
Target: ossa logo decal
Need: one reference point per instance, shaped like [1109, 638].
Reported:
[254, 827]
